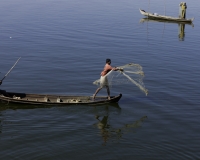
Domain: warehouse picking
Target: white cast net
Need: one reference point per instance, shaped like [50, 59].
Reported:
[131, 74]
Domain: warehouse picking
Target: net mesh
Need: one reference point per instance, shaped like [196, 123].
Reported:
[131, 74]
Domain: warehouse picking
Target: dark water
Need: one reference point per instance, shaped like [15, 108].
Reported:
[64, 44]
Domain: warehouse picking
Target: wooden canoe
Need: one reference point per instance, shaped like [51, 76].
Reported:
[166, 18]
[43, 99]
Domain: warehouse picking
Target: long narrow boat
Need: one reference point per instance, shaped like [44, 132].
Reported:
[42, 99]
[162, 17]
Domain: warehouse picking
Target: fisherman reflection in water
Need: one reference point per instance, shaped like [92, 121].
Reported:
[104, 127]
[115, 134]
[103, 79]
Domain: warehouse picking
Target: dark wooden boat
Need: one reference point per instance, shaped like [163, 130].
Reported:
[42, 99]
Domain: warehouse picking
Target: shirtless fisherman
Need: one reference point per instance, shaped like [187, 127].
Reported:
[104, 80]
[0, 82]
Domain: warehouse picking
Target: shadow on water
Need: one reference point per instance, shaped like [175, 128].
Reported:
[102, 114]
[27, 106]
[181, 26]
[115, 134]
[69, 110]
[1, 122]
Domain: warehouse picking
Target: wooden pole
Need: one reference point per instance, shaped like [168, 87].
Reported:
[10, 69]
[165, 7]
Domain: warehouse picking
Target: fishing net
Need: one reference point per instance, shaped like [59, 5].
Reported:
[131, 74]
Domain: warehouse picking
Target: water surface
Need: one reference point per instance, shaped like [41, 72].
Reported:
[64, 44]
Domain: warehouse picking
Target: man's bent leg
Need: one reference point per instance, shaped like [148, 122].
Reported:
[98, 89]
[108, 91]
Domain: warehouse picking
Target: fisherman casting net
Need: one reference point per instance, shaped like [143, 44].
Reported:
[131, 73]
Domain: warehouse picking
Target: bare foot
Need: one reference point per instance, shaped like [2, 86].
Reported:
[108, 97]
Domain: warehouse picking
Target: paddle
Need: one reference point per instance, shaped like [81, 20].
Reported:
[9, 70]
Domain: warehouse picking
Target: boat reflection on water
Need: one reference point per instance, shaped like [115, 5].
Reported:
[181, 26]
[181, 33]
[102, 114]
[13, 106]
[1, 122]
[115, 134]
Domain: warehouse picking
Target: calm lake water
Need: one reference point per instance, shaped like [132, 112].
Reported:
[64, 44]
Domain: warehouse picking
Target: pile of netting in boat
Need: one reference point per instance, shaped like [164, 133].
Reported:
[131, 73]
